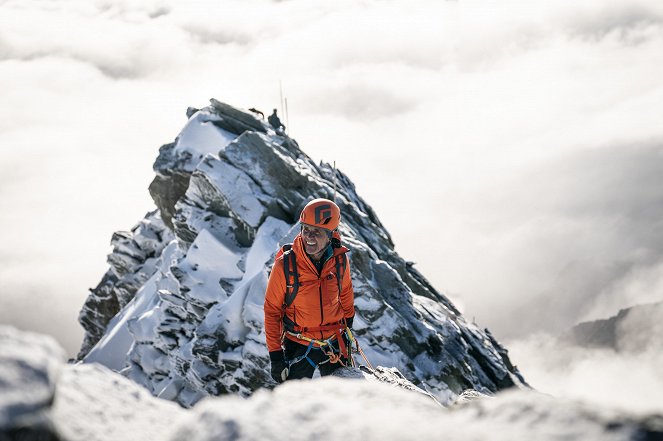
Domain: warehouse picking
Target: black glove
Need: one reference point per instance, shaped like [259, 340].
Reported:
[279, 368]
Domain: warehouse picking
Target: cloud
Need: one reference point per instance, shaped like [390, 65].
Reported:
[641, 331]
[121, 43]
[626, 21]
[511, 148]
[628, 382]
[627, 377]
[358, 101]
[567, 240]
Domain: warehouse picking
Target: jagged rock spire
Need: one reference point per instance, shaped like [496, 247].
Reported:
[229, 191]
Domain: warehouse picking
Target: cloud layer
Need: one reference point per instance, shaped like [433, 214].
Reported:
[512, 149]
[625, 377]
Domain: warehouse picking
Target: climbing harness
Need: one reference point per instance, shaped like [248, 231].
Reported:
[327, 347]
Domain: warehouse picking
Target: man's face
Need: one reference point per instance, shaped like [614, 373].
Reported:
[315, 240]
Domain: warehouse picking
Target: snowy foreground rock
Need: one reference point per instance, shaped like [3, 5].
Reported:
[42, 398]
[181, 309]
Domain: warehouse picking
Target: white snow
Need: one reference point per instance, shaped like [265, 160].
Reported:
[113, 347]
[200, 136]
[206, 262]
[239, 189]
[93, 403]
[265, 245]
[111, 350]
[244, 309]
[334, 408]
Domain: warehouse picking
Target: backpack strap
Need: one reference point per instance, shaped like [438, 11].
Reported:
[340, 271]
[290, 272]
[290, 269]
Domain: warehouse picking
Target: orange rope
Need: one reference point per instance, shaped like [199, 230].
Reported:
[363, 355]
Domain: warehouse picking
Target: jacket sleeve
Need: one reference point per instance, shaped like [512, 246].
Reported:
[274, 298]
[348, 295]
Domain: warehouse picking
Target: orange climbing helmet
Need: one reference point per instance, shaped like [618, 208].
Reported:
[321, 213]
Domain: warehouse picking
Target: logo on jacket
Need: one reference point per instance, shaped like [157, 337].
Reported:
[323, 212]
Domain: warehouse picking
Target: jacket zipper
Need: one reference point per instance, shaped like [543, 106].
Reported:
[322, 316]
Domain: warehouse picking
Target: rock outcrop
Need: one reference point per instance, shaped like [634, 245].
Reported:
[188, 282]
[131, 265]
[29, 367]
[44, 399]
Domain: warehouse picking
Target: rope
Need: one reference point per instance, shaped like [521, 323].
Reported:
[352, 340]
[363, 355]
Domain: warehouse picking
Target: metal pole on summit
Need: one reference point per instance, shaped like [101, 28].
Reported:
[287, 118]
[334, 198]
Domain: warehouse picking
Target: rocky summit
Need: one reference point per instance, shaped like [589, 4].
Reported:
[180, 309]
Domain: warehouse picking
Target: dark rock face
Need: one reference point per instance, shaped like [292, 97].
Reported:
[228, 199]
[234, 120]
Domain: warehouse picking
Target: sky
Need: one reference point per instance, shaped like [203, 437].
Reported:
[513, 149]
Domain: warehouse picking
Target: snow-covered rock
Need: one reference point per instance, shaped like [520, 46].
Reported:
[29, 367]
[189, 319]
[333, 408]
[42, 398]
[93, 403]
[132, 264]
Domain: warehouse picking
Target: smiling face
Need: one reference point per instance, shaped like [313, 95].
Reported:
[315, 240]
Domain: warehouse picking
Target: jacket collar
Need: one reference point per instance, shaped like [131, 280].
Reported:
[298, 248]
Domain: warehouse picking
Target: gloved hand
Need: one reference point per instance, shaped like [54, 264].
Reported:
[279, 368]
[348, 321]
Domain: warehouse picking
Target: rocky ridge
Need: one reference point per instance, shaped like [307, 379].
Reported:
[180, 310]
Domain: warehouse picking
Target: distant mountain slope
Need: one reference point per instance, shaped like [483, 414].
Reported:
[633, 329]
[180, 310]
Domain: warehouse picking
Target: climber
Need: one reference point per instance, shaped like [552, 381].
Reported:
[275, 122]
[309, 303]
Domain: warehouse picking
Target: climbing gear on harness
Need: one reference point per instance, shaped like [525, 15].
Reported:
[296, 331]
[327, 347]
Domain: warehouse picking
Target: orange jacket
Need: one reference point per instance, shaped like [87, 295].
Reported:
[317, 303]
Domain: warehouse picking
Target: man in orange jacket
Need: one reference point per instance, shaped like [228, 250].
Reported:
[309, 300]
